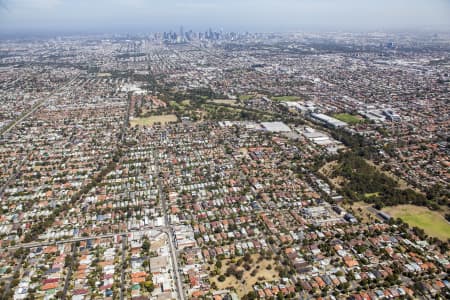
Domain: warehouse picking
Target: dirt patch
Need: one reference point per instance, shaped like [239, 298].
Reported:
[259, 272]
[155, 245]
[328, 168]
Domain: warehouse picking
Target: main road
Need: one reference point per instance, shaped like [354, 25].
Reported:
[69, 274]
[85, 238]
[8, 285]
[162, 199]
[124, 265]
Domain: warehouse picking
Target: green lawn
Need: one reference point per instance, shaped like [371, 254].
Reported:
[432, 222]
[348, 118]
[286, 98]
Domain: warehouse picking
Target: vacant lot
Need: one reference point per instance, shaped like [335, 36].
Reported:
[150, 121]
[348, 118]
[432, 222]
[244, 286]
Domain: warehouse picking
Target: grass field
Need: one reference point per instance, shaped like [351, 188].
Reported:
[286, 98]
[348, 118]
[150, 121]
[432, 222]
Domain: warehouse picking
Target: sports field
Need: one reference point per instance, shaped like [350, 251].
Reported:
[348, 118]
[150, 121]
[432, 222]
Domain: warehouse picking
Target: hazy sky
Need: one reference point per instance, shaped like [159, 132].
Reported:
[252, 15]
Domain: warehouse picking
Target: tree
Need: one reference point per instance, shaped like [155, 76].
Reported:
[247, 267]
[68, 261]
[250, 296]
[146, 245]
[149, 286]
[447, 217]
[218, 264]
[239, 274]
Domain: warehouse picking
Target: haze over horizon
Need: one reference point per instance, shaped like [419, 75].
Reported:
[41, 16]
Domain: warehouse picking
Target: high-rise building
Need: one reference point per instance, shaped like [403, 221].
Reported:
[182, 39]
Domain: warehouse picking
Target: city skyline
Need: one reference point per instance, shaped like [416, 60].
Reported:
[62, 16]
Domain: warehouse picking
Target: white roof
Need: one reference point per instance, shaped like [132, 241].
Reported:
[276, 126]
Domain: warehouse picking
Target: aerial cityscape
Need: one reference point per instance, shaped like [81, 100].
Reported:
[223, 164]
